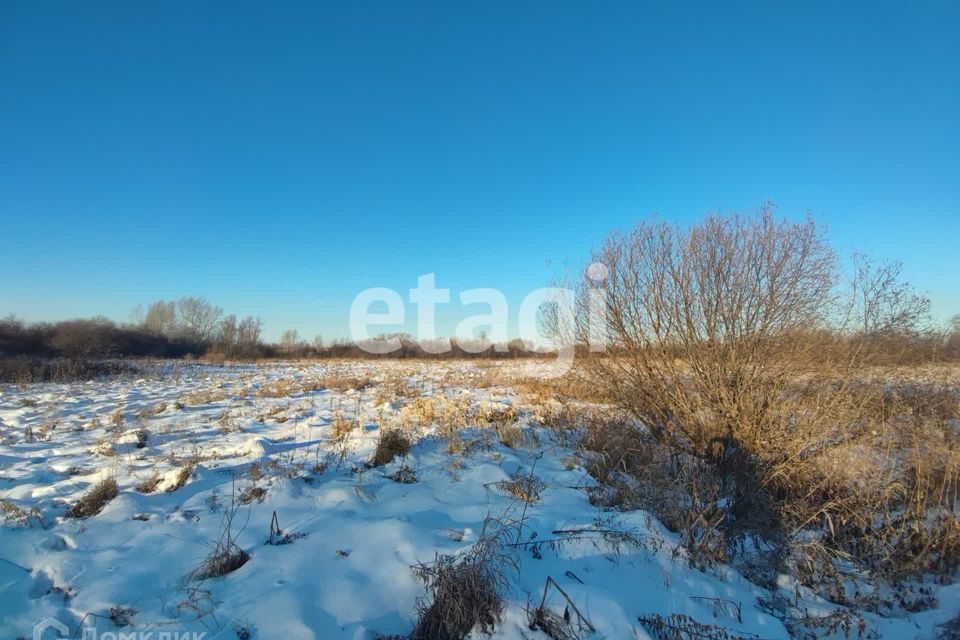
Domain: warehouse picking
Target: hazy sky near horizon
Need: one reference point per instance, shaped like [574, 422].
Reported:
[279, 158]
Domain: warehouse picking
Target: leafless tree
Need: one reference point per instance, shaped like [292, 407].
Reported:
[883, 303]
[198, 318]
[161, 318]
[248, 335]
[290, 342]
[227, 334]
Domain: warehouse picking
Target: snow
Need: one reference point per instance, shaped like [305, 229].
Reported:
[347, 572]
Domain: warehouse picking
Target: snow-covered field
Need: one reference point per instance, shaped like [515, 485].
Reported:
[210, 440]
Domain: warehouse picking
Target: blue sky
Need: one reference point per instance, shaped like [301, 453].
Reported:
[279, 158]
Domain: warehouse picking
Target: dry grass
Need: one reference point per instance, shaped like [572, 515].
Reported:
[394, 388]
[150, 484]
[525, 487]
[404, 475]
[202, 397]
[182, 477]
[679, 626]
[437, 410]
[880, 489]
[281, 388]
[155, 410]
[510, 435]
[489, 413]
[392, 443]
[337, 381]
[94, 500]
[226, 556]
[16, 515]
[340, 427]
[117, 418]
[343, 382]
[465, 593]
[253, 493]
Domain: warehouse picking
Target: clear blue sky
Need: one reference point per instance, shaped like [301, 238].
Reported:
[277, 158]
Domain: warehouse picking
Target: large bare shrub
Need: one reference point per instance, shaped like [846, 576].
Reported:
[707, 324]
[739, 344]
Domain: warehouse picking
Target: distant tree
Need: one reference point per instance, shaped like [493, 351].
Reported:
[198, 318]
[952, 346]
[290, 342]
[227, 335]
[160, 318]
[884, 304]
[85, 338]
[248, 336]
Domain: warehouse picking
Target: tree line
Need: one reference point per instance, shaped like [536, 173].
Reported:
[164, 329]
[193, 326]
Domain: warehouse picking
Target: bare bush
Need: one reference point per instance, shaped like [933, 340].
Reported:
[734, 346]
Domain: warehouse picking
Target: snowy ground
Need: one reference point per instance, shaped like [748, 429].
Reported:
[346, 572]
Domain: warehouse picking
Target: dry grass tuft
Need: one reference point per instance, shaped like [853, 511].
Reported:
[253, 493]
[404, 475]
[494, 414]
[94, 500]
[525, 487]
[226, 556]
[678, 626]
[392, 443]
[467, 592]
[340, 427]
[279, 388]
[510, 435]
[149, 412]
[150, 484]
[343, 382]
[16, 515]
[438, 410]
[117, 418]
[182, 477]
[206, 396]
